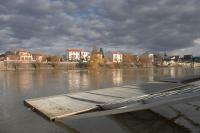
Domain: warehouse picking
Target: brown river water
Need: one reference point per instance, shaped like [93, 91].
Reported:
[16, 86]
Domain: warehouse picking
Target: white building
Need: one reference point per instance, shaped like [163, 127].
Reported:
[74, 54]
[77, 55]
[115, 56]
[151, 57]
[85, 56]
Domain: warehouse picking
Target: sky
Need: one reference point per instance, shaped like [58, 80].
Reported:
[134, 26]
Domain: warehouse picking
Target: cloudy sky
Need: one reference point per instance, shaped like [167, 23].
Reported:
[127, 25]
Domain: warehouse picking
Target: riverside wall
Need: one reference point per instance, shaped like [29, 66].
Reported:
[2, 67]
[38, 66]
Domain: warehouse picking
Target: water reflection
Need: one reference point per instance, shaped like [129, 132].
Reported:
[74, 79]
[2, 85]
[117, 76]
[151, 75]
[173, 72]
[25, 80]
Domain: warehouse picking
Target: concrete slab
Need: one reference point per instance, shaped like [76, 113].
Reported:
[59, 106]
[111, 100]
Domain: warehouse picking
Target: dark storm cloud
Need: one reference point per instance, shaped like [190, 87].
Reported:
[133, 25]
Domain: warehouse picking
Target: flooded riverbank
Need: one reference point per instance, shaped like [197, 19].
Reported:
[19, 85]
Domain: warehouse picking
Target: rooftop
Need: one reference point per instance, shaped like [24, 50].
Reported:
[75, 49]
[115, 52]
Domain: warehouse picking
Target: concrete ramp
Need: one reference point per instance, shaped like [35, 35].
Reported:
[186, 79]
[59, 106]
[112, 100]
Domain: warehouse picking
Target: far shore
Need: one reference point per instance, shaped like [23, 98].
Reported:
[12, 66]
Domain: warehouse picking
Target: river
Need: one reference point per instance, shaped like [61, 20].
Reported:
[16, 86]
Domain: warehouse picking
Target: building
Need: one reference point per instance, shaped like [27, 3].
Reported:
[117, 57]
[175, 59]
[24, 55]
[74, 54]
[151, 57]
[187, 58]
[39, 58]
[171, 61]
[85, 56]
[114, 56]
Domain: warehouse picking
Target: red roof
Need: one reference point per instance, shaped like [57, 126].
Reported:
[74, 50]
[115, 52]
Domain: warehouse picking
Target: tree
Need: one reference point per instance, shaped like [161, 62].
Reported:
[9, 53]
[94, 61]
[129, 59]
[145, 61]
[94, 49]
[54, 60]
[96, 58]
